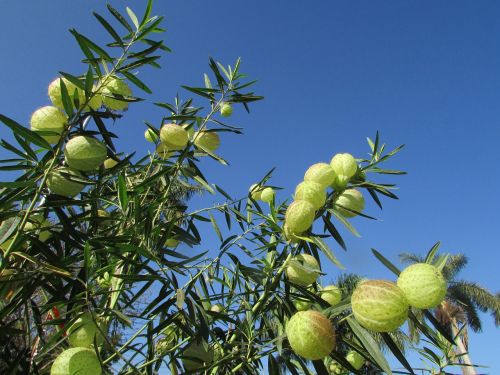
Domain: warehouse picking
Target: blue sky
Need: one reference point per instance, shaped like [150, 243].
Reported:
[423, 73]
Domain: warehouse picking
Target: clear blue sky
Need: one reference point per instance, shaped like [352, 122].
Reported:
[423, 73]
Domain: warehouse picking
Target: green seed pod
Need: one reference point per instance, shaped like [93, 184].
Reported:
[173, 136]
[321, 173]
[39, 223]
[255, 191]
[299, 216]
[303, 269]
[423, 285]
[312, 192]
[84, 153]
[59, 184]
[379, 305]
[55, 94]
[355, 359]
[207, 141]
[226, 110]
[81, 361]
[344, 166]
[51, 119]
[196, 356]
[83, 331]
[310, 334]
[150, 135]
[116, 86]
[110, 163]
[331, 294]
[267, 195]
[351, 199]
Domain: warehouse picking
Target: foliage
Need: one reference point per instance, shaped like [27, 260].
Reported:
[110, 249]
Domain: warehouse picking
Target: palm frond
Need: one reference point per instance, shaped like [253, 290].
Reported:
[454, 265]
[481, 297]
[409, 258]
[347, 283]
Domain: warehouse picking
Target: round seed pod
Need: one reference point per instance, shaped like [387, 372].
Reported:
[47, 119]
[423, 285]
[172, 243]
[168, 341]
[255, 191]
[59, 184]
[351, 199]
[355, 359]
[344, 166]
[55, 94]
[173, 136]
[207, 141]
[81, 361]
[150, 135]
[115, 86]
[82, 332]
[303, 269]
[163, 151]
[218, 308]
[331, 294]
[267, 195]
[310, 334]
[312, 192]
[84, 153]
[299, 216]
[226, 110]
[196, 356]
[302, 304]
[379, 305]
[321, 173]
[38, 222]
[110, 163]
[289, 236]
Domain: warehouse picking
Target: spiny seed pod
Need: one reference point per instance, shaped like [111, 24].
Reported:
[163, 151]
[226, 110]
[83, 331]
[172, 243]
[355, 359]
[150, 135]
[81, 361]
[218, 308]
[321, 173]
[167, 342]
[115, 86]
[110, 163]
[299, 216]
[344, 166]
[255, 191]
[173, 136]
[39, 223]
[303, 269]
[207, 141]
[423, 285]
[84, 153]
[267, 195]
[312, 192]
[289, 236]
[310, 334]
[350, 199]
[331, 294]
[55, 94]
[60, 184]
[48, 119]
[302, 304]
[196, 356]
[379, 305]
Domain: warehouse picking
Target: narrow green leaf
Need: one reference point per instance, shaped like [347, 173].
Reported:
[122, 193]
[327, 251]
[397, 353]
[370, 345]
[346, 223]
[136, 81]
[26, 133]
[386, 262]
[432, 252]
[120, 18]
[216, 227]
[109, 28]
[133, 17]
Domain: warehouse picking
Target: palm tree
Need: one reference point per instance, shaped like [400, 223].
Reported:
[460, 309]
